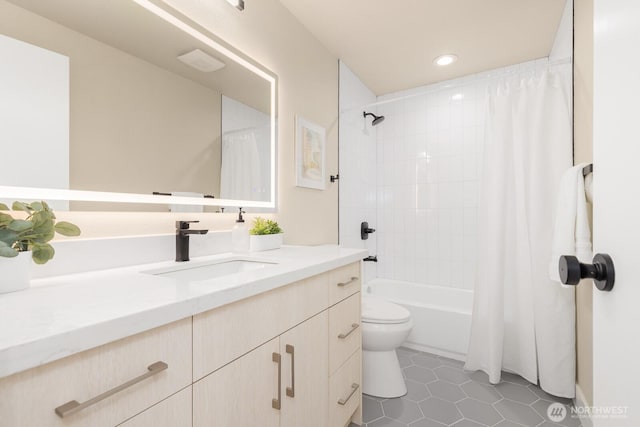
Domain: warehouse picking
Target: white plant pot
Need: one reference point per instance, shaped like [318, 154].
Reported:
[15, 273]
[265, 242]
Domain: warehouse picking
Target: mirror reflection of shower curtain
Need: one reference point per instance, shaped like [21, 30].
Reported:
[522, 321]
[240, 171]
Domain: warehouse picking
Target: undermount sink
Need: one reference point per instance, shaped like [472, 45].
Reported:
[210, 270]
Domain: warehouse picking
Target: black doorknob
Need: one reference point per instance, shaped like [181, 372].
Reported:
[601, 271]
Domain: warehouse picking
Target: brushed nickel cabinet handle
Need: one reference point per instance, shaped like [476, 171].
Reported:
[354, 326]
[291, 391]
[73, 406]
[275, 403]
[353, 279]
[354, 388]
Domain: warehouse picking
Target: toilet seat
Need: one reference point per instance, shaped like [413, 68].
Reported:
[380, 311]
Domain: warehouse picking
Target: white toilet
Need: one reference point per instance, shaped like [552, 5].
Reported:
[385, 326]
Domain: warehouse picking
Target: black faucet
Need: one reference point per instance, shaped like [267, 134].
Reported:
[182, 239]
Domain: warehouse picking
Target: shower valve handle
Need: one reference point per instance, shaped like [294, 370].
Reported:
[365, 230]
[601, 271]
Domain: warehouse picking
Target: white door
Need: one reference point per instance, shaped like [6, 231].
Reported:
[616, 146]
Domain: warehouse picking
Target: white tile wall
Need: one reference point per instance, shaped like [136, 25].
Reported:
[429, 150]
[357, 153]
[415, 176]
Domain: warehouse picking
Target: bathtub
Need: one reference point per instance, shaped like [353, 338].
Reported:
[441, 315]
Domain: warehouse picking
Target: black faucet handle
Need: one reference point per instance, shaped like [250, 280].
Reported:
[365, 230]
[184, 225]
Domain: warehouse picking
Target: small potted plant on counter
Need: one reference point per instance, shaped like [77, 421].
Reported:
[265, 235]
[24, 239]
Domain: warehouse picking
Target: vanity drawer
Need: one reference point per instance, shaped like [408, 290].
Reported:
[345, 336]
[30, 398]
[226, 333]
[345, 391]
[343, 282]
[172, 412]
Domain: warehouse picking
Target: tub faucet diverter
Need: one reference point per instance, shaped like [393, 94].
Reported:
[182, 239]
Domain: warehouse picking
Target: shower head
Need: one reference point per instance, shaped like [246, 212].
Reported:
[376, 119]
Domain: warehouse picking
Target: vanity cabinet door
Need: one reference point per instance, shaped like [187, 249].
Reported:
[242, 393]
[172, 412]
[305, 374]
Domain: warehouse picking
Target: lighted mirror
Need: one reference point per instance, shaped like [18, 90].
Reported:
[113, 101]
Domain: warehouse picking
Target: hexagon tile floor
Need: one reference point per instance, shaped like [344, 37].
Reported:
[441, 393]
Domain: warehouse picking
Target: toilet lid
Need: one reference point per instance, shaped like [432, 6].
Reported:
[379, 310]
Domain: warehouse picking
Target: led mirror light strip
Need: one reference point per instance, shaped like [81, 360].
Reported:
[103, 196]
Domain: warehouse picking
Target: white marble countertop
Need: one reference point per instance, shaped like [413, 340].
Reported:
[63, 315]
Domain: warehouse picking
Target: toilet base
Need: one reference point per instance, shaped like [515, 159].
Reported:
[381, 374]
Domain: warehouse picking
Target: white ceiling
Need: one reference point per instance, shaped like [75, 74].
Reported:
[391, 44]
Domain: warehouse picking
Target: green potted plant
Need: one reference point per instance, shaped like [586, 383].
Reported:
[25, 239]
[265, 235]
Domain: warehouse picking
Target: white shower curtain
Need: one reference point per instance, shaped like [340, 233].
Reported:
[522, 321]
[240, 172]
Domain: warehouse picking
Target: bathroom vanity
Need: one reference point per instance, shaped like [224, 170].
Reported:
[279, 344]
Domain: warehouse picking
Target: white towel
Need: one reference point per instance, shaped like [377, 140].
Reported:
[588, 187]
[186, 208]
[571, 234]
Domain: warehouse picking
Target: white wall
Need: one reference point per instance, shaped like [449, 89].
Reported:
[357, 153]
[429, 151]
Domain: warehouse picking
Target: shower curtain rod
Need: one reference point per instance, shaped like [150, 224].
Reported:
[563, 61]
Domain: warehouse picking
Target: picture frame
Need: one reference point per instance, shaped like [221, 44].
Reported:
[310, 154]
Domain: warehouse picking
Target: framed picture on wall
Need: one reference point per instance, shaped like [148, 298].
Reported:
[310, 154]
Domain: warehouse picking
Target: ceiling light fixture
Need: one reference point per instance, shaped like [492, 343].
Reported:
[238, 4]
[443, 60]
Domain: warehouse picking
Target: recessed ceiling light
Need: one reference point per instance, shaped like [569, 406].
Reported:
[443, 60]
[238, 4]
